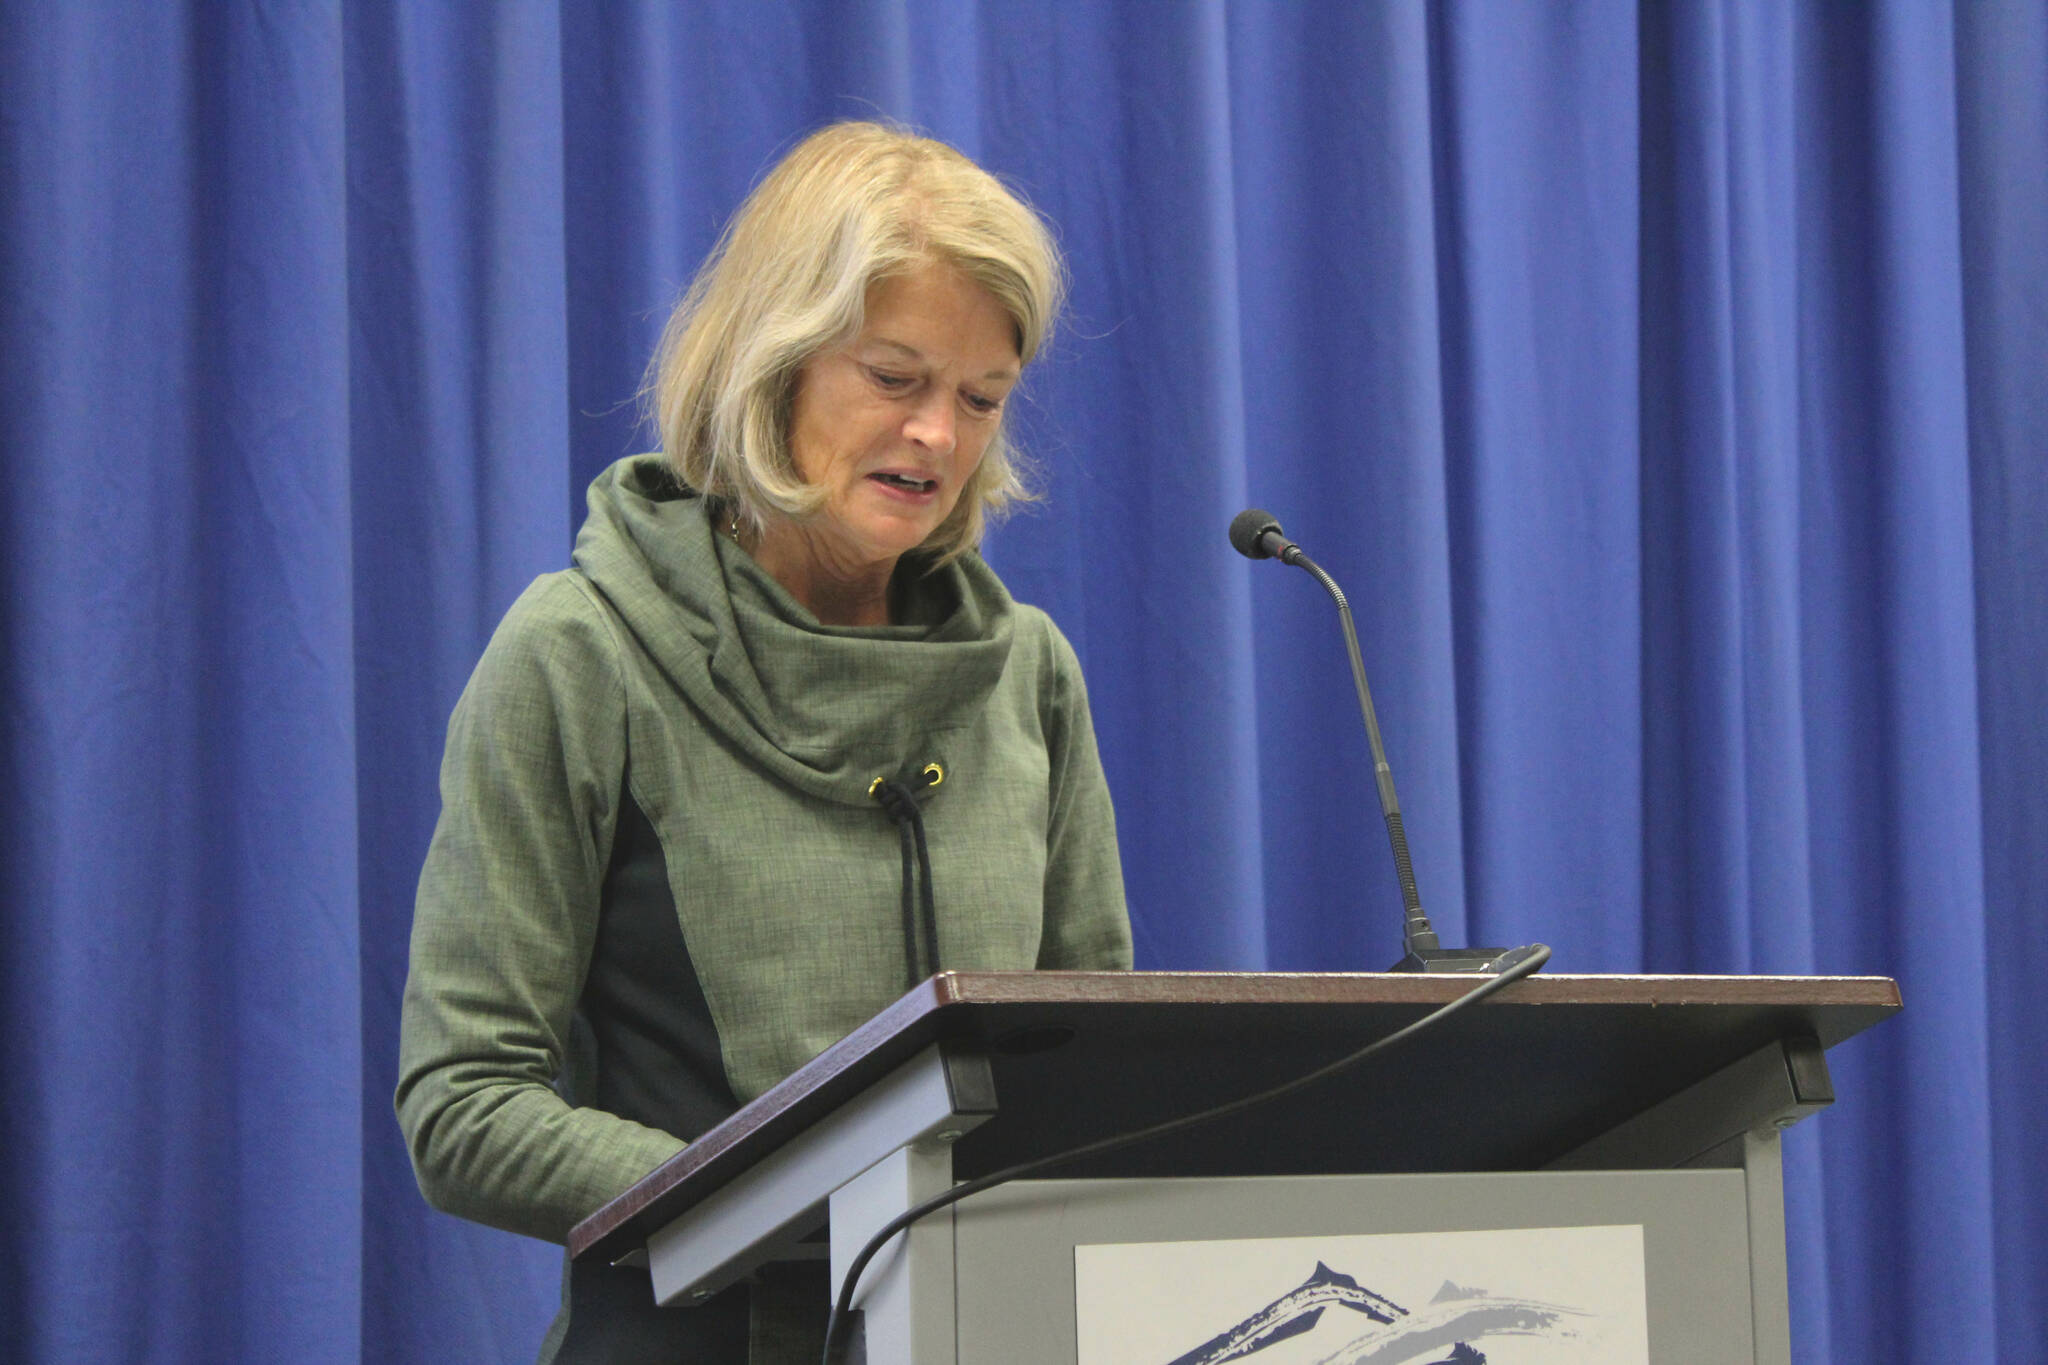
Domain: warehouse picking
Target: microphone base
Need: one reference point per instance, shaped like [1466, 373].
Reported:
[1448, 960]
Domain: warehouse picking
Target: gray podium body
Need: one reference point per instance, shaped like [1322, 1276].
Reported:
[1563, 1101]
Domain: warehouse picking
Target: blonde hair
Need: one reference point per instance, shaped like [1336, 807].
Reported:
[852, 204]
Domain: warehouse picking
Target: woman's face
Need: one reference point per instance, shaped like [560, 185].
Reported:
[893, 424]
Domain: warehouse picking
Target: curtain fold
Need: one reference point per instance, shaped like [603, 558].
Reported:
[178, 594]
[2002, 124]
[1666, 383]
[458, 426]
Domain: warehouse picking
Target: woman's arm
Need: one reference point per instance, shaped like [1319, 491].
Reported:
[1086, 925]
[503, 929]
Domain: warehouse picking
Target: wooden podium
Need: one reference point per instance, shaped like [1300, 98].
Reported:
[1563, 1100]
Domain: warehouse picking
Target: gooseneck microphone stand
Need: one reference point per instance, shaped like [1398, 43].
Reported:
[1255, 534]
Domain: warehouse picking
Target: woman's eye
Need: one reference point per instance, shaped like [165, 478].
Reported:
[894, 383]
[982, 404]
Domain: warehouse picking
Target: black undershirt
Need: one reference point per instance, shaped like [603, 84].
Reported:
[648, 1051]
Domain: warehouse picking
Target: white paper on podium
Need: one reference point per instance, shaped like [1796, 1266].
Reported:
[1514, 1296]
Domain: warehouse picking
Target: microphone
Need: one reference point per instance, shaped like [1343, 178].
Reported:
[1256, 534]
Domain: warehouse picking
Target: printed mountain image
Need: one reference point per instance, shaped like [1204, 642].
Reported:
[1370, 1329]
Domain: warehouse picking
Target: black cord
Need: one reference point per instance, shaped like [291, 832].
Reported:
[927, 903]
[899, 800]
[1512, 966]
[911, 954]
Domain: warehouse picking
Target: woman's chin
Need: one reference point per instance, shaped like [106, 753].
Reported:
[889, 535]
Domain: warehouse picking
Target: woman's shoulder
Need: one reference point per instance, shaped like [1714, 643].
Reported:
[1036, 629]
[564, 602]
[558, 630]
[1054, 668]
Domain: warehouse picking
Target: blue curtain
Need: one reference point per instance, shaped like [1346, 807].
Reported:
[1667, 382]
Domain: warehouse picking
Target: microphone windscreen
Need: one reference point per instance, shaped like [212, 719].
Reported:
[1248, 529]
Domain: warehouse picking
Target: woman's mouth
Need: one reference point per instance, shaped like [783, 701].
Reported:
[904, 482]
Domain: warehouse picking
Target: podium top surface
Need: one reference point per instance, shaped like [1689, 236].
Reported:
[1541, 1067]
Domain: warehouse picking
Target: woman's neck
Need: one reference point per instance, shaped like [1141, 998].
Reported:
[837, 592]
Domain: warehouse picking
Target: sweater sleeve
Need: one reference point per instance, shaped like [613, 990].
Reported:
[1087, 927]
[504, 926]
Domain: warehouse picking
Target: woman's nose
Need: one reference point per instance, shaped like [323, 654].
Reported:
[931, 421]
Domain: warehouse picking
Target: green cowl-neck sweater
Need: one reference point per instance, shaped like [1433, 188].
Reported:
[666, 673]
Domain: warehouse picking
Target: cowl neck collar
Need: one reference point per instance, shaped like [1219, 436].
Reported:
[825, 708]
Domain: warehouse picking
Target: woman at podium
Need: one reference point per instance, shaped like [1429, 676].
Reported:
[775, 747]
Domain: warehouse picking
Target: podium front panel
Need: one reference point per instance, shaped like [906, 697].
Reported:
[1015, 1258]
